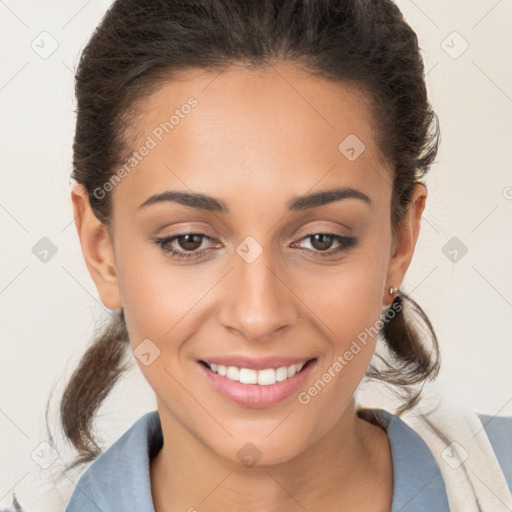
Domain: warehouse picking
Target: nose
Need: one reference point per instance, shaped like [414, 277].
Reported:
[258, 299]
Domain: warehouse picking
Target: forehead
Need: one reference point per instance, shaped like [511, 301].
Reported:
[251, 129]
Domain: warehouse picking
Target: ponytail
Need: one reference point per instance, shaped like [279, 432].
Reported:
[99, 370]
[410, 360]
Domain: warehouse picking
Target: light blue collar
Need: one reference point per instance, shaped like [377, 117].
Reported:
[119, 478]
[418, 485]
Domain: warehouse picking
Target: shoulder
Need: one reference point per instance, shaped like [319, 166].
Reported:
[499, 432]
[119, 478]
[417, 481]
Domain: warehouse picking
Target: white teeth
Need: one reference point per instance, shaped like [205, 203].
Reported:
[264, 377]
[233, 373]
[281, 374]
[248, 376]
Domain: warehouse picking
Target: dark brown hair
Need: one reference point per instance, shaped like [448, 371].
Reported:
[140, 44]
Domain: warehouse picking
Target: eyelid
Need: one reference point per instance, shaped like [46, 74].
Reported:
[307, 233]
[302, 232]
[342, 244]
[204, 239]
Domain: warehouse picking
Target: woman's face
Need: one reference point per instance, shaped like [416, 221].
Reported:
[255, 288]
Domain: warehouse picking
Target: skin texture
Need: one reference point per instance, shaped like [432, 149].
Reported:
[256, 139]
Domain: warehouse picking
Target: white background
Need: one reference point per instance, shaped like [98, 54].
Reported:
[50, 310]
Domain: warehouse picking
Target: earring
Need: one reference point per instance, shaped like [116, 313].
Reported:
[393, 290]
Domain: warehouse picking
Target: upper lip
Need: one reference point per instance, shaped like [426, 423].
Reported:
[256, 364]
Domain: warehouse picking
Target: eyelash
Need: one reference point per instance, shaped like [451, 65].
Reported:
[346, 243]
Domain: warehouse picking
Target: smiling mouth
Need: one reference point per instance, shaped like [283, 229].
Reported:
[264, 377]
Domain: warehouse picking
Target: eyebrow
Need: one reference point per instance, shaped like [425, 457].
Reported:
[208, 203]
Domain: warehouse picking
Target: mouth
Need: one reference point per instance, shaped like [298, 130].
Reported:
[257, 388]
[263, 377]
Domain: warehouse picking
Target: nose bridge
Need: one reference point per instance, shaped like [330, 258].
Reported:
[257, 302]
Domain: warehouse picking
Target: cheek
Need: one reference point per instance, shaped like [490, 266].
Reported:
[347, 299]
[347, 302]
[349, 309]
[158, 301]
[156, 293]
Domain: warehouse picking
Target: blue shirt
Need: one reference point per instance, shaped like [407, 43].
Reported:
[119, 479]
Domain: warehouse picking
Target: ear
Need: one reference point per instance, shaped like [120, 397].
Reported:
[97, 248]
[405, 242]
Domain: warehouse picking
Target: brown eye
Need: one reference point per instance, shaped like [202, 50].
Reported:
[191, 242]
[321, 241]
[184, 246]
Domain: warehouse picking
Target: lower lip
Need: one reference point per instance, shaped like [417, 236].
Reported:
[254, 395]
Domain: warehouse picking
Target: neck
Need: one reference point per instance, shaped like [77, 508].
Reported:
[350, 466]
